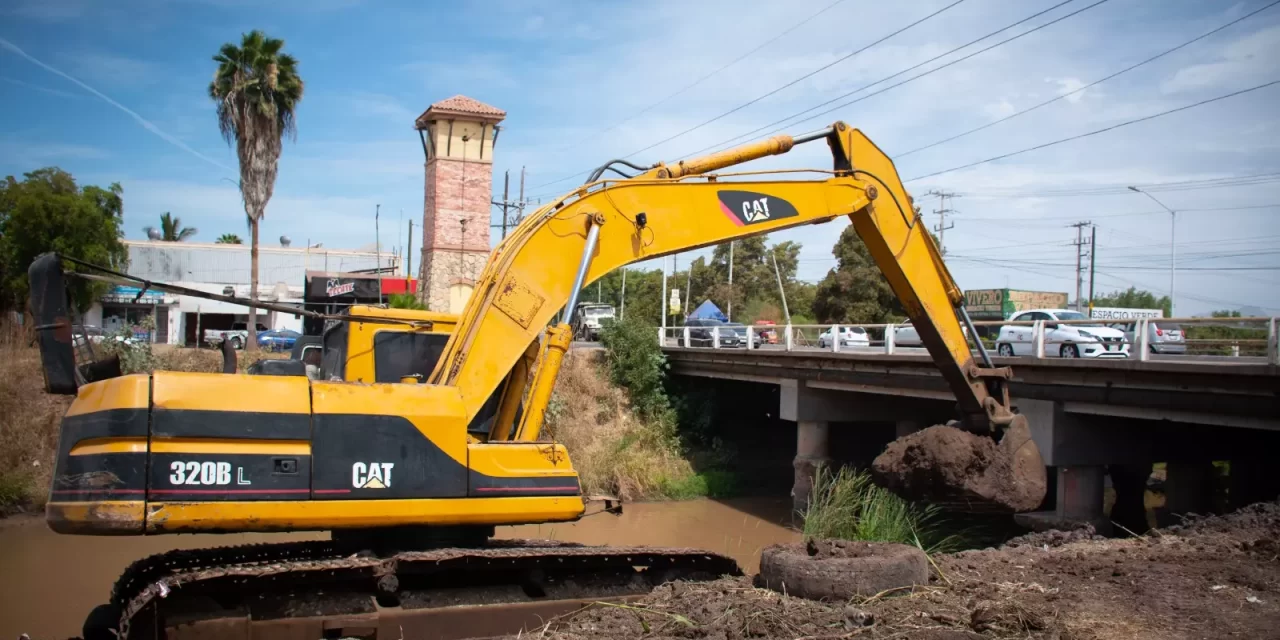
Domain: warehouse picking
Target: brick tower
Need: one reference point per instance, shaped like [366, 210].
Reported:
[458, 135]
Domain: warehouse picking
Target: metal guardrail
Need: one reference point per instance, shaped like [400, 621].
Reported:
[892, 338]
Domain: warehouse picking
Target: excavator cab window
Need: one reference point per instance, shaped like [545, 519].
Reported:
[333, 364]
[397, 354]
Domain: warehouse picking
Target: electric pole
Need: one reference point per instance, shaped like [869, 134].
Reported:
[688, 282]
[1080, 244]
[730, 316]
[1093, 260]
[942, 212]
[508, 204]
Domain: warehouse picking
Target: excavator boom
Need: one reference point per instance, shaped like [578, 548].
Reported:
[605, 225]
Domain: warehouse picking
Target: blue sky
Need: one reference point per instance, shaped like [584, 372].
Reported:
[574, 75]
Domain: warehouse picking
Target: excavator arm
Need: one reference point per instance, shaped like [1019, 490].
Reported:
[538, 270]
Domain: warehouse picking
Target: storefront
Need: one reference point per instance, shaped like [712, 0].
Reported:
[149, 315]
[331, 293]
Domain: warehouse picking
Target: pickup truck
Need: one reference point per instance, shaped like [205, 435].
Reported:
[238, 335]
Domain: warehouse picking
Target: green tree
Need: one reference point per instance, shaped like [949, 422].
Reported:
[257, 90]
[1134, 298]
[1225, 313]
[405, 301]
[171, 229]
[855, 290]
[229, 238]
[47, 211]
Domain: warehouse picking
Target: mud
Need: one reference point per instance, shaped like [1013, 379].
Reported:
[1216, 577]
[969, 471]
[38, 596]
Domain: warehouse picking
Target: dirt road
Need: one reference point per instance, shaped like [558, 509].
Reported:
[1216, 578]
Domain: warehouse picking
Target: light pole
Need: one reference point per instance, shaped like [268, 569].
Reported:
[1173, 249]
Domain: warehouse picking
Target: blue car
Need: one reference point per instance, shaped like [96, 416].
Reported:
[278, 339]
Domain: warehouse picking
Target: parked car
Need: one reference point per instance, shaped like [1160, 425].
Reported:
[1088, 340]
[905, 335]
[278, 339]
[849, 337]
[238, 334]
[1162, 336]
[702, 334]
[739, 329]
[87, 333]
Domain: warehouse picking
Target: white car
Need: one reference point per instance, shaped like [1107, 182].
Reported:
[1088, 340]
[905, 335]
[849, 337]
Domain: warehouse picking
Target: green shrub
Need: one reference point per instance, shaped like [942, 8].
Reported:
[636, 363]
[847, 505]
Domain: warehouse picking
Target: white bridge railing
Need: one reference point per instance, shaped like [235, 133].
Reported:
[1141, 338]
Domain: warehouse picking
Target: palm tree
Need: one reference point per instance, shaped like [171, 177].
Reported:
[171, 229]
[229, 238]
[257, 89]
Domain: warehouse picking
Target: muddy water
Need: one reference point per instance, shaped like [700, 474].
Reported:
[49, 582]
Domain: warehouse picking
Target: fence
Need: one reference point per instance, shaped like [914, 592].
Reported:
[1139, 338]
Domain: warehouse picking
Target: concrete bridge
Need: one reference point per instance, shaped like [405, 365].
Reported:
[1089, 417]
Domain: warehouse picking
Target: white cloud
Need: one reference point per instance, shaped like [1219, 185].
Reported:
[1245, 60]
[379, 105]
[39, 154]
[997, 110]
[115, 70]
[1067, 86]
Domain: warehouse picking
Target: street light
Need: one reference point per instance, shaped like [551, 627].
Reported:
[1173, 248]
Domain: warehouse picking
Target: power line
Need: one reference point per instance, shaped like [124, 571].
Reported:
[1097, 131]
[707, 76]
[911, 68]
[1091, 84]
[774, 91]
[1106, 190]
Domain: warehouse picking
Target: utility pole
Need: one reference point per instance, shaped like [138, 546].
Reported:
[675, 264]
[1173, 250]
[781, 291]
[622, 314]
[942, 212]
[662, 304]
[408, 256]
[688, 282]
[1093, 260]
[506, 188]
[730, 281]
[1080, 244]
[377, 249]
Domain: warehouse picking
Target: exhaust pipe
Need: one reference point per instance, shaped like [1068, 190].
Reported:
[52, 313]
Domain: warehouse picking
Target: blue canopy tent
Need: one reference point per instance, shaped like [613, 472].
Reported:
[708, 309]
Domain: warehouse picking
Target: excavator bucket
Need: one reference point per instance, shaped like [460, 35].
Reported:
[966, 471]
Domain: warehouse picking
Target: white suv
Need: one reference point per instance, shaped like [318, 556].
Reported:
[1092, 340]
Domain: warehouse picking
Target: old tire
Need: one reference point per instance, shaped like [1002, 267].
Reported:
[838, 570]
[236, 343]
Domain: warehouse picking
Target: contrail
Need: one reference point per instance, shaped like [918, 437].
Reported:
[146, 124]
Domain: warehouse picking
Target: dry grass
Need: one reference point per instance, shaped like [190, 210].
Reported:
[28, 424]
[29, 417]
[613, 451]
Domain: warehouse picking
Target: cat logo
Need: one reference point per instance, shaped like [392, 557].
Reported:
[375, 475]
[749, 207]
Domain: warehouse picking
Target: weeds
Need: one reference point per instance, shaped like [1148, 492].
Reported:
[847, 505]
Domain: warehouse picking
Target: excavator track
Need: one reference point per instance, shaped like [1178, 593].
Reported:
[336, 589]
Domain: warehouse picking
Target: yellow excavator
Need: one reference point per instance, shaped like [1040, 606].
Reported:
[411, 471]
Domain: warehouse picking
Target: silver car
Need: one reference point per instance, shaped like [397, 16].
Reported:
[1162, 336]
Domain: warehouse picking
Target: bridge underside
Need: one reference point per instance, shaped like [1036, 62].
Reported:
[1093, 421]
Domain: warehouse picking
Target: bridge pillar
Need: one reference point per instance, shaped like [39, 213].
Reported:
[906, 428]
[812, 451]
[1188, 488]
[1078, 502]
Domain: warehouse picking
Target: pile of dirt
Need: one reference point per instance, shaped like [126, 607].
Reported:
[1213, 577]
[946, 464]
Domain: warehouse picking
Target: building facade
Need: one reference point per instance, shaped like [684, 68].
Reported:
[222, 269]
[458, 137]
